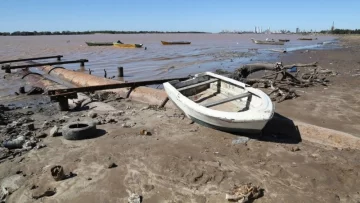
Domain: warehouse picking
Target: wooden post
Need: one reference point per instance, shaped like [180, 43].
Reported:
[63, 104]
[120, 72]
[22, 90]
[82, 64]
[164, 102]
[59, 58]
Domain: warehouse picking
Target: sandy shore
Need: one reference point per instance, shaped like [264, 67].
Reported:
[336, 106]
[183, 162]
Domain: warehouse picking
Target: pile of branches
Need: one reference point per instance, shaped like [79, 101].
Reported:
[281, 80]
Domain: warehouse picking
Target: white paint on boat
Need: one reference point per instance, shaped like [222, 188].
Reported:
[244, 114]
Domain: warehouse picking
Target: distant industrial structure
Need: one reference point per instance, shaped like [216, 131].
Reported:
[332, 27]
[260, 30]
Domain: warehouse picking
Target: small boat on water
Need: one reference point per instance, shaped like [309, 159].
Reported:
[102, 43]
[284, 40]
[125, 46]
[221, 103]
[306, 38]
[99, 43]
[175, 43]
[268, 42]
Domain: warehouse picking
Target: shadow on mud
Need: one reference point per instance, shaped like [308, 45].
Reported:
[279, 129]
[98, 133]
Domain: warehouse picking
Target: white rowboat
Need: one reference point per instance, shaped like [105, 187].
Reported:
[221, 103]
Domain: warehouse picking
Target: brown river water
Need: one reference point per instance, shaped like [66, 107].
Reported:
[207, 52]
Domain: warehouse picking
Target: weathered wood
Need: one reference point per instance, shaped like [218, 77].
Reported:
[222, 101]
[71, 92]
[198, 84]
[278, 50]
[82, 61]
[31, 59]
[281, 85]
[163, 103]
[255, 80]
[314, 64]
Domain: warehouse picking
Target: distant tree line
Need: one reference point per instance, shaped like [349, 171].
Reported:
[342, 31]
[27, 33]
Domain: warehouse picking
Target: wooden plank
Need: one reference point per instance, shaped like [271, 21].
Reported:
[215, 103]
[30, 59]
[198, 84]
[113, 86]
[82, 61]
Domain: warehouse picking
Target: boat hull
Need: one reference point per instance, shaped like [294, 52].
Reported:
[127, 46]
[99, 43]
[305, 39]
[175, 43]
[251, 122]
[267, 42]
[236, 128]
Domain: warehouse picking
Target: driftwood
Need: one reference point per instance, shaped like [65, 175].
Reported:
[280, 80]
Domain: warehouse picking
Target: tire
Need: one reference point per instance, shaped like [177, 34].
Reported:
[79, 130]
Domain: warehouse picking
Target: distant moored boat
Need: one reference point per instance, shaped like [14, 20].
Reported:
[99, 43]
[305, 38]
[102, 43]
[125, 46]
[175, 43]
[270, 42]
[284, 40]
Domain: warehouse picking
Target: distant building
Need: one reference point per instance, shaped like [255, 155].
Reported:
[332, 27]
[297, 30]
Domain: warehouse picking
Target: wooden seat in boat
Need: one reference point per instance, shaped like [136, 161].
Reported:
[215, 103]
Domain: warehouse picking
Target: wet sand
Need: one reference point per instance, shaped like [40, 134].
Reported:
[182, 162]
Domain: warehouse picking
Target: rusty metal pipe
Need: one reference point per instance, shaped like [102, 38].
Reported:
[40, 81]
[140, 94]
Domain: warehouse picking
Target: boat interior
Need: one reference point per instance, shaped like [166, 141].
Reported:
[217, 94]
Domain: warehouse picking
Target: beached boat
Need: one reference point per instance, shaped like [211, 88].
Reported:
[120, 45]
[99, 43]
[221, 103]
[284, 40]
[175, 43]
[268, 42]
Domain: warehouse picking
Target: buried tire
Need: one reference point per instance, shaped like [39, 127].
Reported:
[79, 130]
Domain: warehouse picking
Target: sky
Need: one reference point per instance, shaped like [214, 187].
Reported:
[177, 15]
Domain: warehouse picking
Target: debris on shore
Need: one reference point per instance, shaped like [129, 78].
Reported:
[57, 172]
[282, 79]
[244, 193]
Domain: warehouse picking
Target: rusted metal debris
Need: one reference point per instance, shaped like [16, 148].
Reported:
[8, 67]
[69, 92]
[62, 95]
[32, 59]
